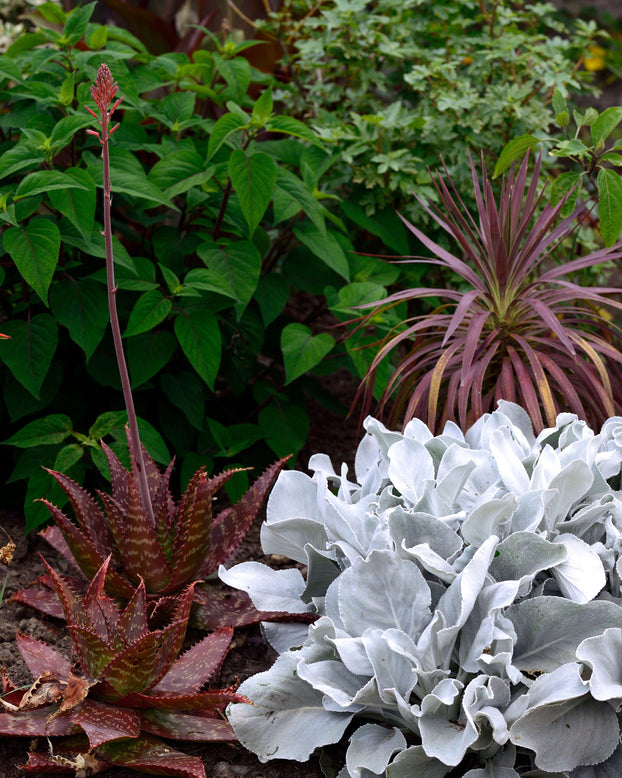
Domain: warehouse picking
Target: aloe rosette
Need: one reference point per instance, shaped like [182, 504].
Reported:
[468, 594]
[131, 685]
[185, 543]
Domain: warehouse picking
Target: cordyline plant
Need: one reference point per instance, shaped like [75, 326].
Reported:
[130, 686]
[147, 536]
[518, 329]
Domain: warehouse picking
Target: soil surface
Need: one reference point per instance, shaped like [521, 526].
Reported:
[329, 433]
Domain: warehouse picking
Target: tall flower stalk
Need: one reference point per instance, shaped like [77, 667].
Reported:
[104, 91]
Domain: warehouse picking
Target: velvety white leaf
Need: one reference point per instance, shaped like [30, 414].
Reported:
[384, 591]
[509, 464]
[567, 734]
[570, 484]
[392, 654]
[410, 465]
[371, 748]
[290, 536]
[333, 679]
[603, 654]
[415, 763]
[611, 768]
[294, 495]
[270, 590]
[287, 719]
[582, 575]
[490, 518]
[492, 772]
[525, 554]
[549, 629]
[282, 636]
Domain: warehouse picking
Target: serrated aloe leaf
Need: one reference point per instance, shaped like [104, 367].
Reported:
[173, 635]
[134, 668]
[93, 652]
[152, 757]
[287, 718]
[102, 723]
[70, 602]
[36, 723]
[41, 658]
[197, 665]
[101, 610]
[132, 623]
[48, 763]
[185, 726]
[231, 525]
[201, 703]
[89, 515]
[43, 600]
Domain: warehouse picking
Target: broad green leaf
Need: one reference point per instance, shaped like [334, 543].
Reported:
[609, 205]
[262, 110]
[253, 178]
[45, 181]
[198, 334]
[284, 426]
[185, 391]
[237, 264]
[559, 103]
[106, 422]
[9, 70]
[178, 172]
[302, 350]
[233, 438]
[271, 295]
[68, 456]
[153, 442]
[82, 307]
[301, 193]
[606, 123]
[290, 126]
[237, 74]
[147, 354]
[77, 205]
[94, 246]
[224, 127]
[326, 247]
[23, 155]
[385, 225]
[28, 354]
[570, 148]
[40, 486]
[98, 38]
[514, 150]
[66, 128]
[77, 23]
[201, 279]
[175, 109]
[34, 248]
[150, 309]
[42, 432]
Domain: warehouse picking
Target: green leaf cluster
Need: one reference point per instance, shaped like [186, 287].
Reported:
[222, 235]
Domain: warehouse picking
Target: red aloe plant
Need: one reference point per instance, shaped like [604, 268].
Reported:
[518, 329]
[130, 688]
[186, 544]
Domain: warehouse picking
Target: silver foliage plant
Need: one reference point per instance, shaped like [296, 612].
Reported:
[469, 604]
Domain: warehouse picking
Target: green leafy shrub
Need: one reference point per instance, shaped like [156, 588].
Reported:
[516, 329]
[396, 85]
[468, 592]
[219, 232]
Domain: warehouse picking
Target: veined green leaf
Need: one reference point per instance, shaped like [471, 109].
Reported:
[82, 307]
[185, 391]
[147, 354]
[66, 128]
[42, 432]
[44, 181]
[151, 308]
[563, 184]
[28, 354]
[301, 193]
[302, 350]
[326, 247]
[609, 205]
[262, 110]
[34, 248]
[606, 123]
[178, 172]
[290, 126]
[237, 74]
[23, 155]
[77, 206]
[77, 23]
[198, 334]
[514, 150]
[237, 265]
[224, 127]
[9, 70]
[253, 177]
[284, 426]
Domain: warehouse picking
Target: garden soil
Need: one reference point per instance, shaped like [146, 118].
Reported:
[329, 433]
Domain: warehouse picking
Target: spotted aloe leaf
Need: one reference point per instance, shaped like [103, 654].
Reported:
[182, 544]
[131, 684]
